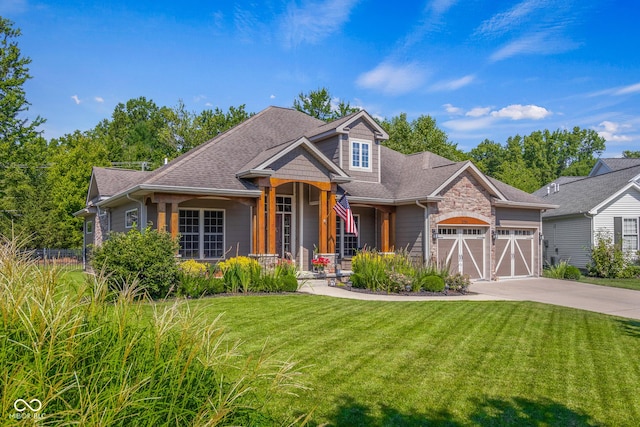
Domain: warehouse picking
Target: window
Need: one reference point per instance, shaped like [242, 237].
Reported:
[201, 233]
[89, 227]
[346, 243]
[360, 155]
[131, 218]
[630, 234]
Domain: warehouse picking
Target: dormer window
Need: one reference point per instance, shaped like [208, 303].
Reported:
[360, 155]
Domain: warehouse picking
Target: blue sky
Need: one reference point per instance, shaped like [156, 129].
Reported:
[483, 69]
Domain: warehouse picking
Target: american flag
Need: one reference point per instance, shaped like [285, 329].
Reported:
[343, 210]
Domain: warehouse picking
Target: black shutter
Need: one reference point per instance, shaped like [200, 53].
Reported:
[617, 231]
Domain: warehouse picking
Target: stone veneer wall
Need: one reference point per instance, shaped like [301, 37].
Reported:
[464, 196]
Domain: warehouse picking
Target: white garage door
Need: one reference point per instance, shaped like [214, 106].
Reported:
[464, 249]
[514, 252]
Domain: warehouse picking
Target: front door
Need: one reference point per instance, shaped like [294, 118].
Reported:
[284, 225]
[463, 248]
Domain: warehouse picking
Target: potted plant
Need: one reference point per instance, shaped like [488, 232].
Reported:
[319, 263]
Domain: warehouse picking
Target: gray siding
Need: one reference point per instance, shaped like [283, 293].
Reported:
[361, 131]
[237, 223]
[409, 230]
[367, 232]
[568, 239]
[300, 164]
[118, 215]
[506, 217]
[331, 148]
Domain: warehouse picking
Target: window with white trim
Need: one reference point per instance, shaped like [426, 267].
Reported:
[201, 233]
[89, 227]
[347, 243]
[360, 155]
[630, 234]
[131, 218]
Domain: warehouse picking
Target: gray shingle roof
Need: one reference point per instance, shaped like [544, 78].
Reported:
[214, 164]
[111, 181]
[581, 195]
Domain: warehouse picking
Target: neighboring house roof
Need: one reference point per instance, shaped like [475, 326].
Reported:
[587, 194]
[613, 164]
[226, 164]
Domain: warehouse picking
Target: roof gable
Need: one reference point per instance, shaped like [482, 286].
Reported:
[343, 124]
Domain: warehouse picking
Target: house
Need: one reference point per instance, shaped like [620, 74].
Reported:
[606, 201]
[266, 188]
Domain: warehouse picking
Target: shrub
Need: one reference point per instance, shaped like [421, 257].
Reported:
[369, 271]
[572, 273]
[557, 271]
[432, 283]
[239, 273]
[458, 282]
[607, 259]
[91, 360]
[148, 257]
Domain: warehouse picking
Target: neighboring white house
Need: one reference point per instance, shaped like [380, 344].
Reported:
[606, 201]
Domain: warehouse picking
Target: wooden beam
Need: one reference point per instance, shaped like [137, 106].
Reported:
[174, 221]
[322, 226]
[384, 232]
[162, 217]
[331, 245]
[272, 220]
[260, 224]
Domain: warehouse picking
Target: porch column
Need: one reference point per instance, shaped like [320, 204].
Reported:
[174, 220]
[271, 208]
[162, 216]
[331, 244]
[259, 230]
[323, 235]
[384, 232]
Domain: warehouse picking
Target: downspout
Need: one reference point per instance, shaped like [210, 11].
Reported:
[143, 213]
[426, 234]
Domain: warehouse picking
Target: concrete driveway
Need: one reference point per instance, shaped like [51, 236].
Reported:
[601, 299]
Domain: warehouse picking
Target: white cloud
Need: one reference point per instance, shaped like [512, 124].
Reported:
[452, 110]
[313, 21]
[393, 79]
[76, 99]
[540, 43]
[521, 112]
[456, 84]
[465, 125]
[513, 18]
[611, 131]
[439, 7]
[99, 99]
[635, 88]
[478, 111]
[272, 97]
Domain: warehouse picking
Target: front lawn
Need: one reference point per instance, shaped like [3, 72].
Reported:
[448, 363]
[616, 283]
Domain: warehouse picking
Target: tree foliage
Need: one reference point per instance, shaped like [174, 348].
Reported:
[421, 134]
[320, 104]
[532, 161]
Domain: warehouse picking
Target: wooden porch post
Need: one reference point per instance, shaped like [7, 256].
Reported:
[174, 220]
[331, 247]
[162, 216]
[259, 231]
[323, 236]
[384, 232]
[272, 220]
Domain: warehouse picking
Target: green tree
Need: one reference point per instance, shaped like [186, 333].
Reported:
[21, 148]
[488, 156]
[72, 159]
[186, 130]
[318, 103]
[422, 134]
[629, 154]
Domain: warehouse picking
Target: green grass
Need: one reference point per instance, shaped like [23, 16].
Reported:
[447, 363]
[616, 283]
